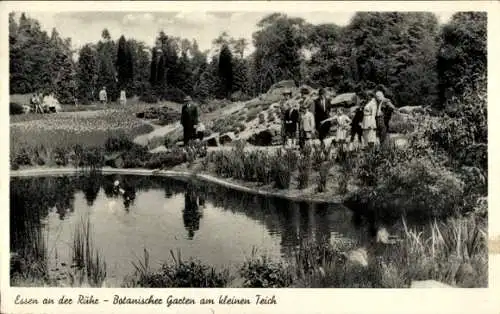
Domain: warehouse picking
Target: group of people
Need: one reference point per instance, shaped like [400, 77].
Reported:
[43, 102]
[304, 121]
[103, 96]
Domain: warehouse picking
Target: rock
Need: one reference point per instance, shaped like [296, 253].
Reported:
[358, 257]
[344, 99]
[212, 140]
[263, 138]
[159, 149]
[412, 109]
[281, 86]
[226, 138]
[428, 284]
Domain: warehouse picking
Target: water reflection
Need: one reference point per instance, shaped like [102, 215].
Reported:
[227, 215]
[191, 214]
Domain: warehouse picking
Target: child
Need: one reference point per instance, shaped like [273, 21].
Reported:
[343, 123]
[307, 125]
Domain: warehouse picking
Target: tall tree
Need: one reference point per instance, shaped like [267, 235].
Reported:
[106, 56]
[154, 66]
[226, 70]
[87, 73]
[124, 64]
[463, 53]
[277, 56]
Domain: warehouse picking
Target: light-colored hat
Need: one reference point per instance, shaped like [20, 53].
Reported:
[187, 98]
[379, 94]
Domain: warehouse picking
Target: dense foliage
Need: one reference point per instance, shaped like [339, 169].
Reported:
[418, 60]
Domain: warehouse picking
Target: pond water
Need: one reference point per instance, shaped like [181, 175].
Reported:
[215, 225]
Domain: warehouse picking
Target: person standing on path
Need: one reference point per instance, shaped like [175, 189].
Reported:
[320, 115]
[384, 112]
[103, 96]
[369, 123]
[189, 119]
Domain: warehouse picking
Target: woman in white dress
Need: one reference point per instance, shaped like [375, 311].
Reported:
[369, 123]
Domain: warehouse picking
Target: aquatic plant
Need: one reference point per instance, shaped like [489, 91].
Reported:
[179, 274]
[262, 272]
[86, 256]
[304, 167]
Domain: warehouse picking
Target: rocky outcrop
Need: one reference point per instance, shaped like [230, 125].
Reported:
[264, 138]
[412, 110]
[212, 140]
[227, 138]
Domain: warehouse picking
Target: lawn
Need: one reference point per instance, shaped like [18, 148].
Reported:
[65, 129]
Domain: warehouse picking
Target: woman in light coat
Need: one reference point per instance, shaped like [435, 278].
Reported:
[369, 123]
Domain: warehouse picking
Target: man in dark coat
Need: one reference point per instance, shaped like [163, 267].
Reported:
[321, 114]
[189, 119]
[385, 108]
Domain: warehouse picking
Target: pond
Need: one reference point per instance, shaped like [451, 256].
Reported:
[215, 225]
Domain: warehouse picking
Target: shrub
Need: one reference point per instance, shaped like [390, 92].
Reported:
[149, 98]
[173, 94]
[118, 143]
[166, 160]
[15, 108]
[464, 128]
[179, 274]
[22, 158]
[92, 157]
[61, 156]
[264, 273]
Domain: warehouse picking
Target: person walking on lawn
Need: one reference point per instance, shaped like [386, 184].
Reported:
[384, 113]
[103, 96]
[189, 119]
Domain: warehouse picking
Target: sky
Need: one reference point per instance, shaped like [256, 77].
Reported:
[85, 27]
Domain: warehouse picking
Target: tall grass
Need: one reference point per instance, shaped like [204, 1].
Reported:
[181, 273]
[86, 256]
[454, 252]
